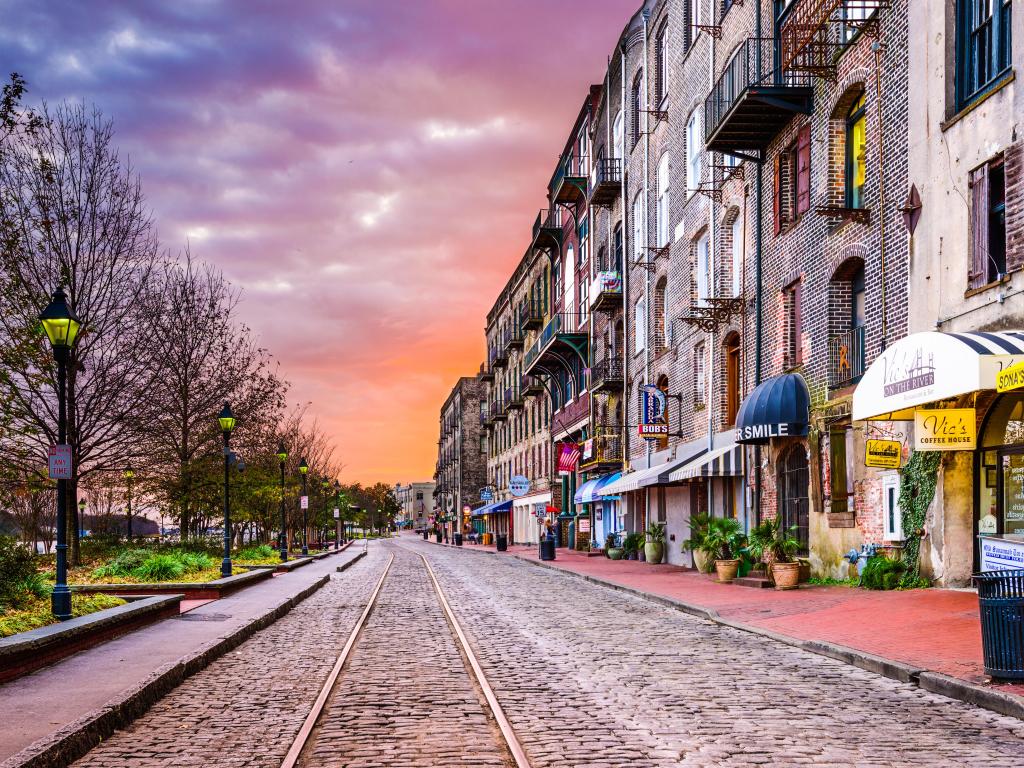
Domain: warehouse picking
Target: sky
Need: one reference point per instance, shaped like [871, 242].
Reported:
[367, 171]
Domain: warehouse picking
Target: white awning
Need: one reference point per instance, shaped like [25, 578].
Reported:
[642, 478]
[726, 461]
[926, 367]
[528, 501]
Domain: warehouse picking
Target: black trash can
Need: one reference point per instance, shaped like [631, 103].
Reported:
[458, 539]
[501, 542]
[426, 534]
[1001, 605]
[547, 548]
[438, 535]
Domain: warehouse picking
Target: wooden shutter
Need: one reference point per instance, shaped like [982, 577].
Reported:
[837, 463]
[979, 228]
[777, 198]
[803, 170]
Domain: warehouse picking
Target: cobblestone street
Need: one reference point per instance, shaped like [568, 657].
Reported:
[587, 677]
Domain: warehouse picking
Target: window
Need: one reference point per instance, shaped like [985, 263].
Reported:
[983, 46]
[732, 378]
[636, 105]
[583, 152]
[794, 325]
[704, 278]
[617, 248]
[658, 315]
[569, 296]
[693, 152]
[617, 137]
[693, 20]
[858, 303]
[793, 181]
[638, 228]
[853, 15]
[662, 211]
[893, 515]
[793, 492]
[856, 146]
[640, 315]
[556, 282]
[840, 448]
[584, 303]
[698, 375]
[661, 63]
[988, 224]
[737, 256]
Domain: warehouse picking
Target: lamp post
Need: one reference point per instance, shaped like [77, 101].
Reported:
[353, 511]
[61, 326]
[227, 423]
[282, 457]
[304, 503]
[129, 473]
[81, 515]
[337, 515]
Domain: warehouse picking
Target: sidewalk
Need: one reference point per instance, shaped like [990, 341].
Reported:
[926, 630]
[42, 704]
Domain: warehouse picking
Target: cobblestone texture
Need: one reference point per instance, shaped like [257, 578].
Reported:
[586, 676]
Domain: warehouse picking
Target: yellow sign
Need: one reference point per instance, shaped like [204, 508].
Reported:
[948, 429]
[1011, 378]
[883, 453]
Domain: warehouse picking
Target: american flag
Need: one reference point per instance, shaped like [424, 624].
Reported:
[568, 457]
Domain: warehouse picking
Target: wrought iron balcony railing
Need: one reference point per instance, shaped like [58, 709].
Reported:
[606, 181]
[846, 358]
[607, 374]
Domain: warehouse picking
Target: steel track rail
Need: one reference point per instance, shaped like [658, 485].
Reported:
[302, 737]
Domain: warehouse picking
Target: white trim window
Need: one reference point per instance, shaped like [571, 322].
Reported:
[618, 137]
[738, 247]
[640, 325]
[638, 227]
[703, 271]
[694, 150]
[569, 294]
[892, 515]
[662, 211]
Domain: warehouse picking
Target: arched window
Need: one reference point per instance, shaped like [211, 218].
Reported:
[636, 106]
[662, 211]
[618, 143]
[856, 147]
[661, 63]
[658, 316]
[738, 244]
[638, 227]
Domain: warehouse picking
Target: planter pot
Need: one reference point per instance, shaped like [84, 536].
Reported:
[615, 553]
[654, 551]
[726, 570]
[641, 555]
[631, 556]
[786, 575]
[702, 562]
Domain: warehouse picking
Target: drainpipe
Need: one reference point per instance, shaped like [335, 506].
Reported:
[710, 350]
[877, 48]
[645, 252]
[624, 266]
[758, 286]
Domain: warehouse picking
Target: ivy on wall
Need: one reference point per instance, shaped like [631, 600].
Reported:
[918, 479]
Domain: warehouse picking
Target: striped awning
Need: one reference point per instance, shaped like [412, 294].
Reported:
[495, 508]
[642, 478]
[726, 461]
[593, 490]
[932, 366]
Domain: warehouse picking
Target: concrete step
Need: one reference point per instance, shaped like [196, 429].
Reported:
[753, 581]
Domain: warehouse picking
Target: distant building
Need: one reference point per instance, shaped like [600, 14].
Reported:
[417, 502]
[461, 462]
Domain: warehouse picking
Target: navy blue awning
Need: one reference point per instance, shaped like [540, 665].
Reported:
[778, 407]
[490, 509]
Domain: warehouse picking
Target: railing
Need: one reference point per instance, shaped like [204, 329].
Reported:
[606, 287]
[514, 336]
[497, 409]
[513, 399]
[531, 385]
[562, 323]
[531, 315]
[605, 447]
[846, 358]
[607, 372]
[740, 74]
[607, 170]
[568, 166]
[546, 219]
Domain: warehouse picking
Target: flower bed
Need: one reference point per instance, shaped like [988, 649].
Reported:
[35, 613]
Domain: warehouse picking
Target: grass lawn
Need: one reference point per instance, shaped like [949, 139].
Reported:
[88, 575]
[35, 613]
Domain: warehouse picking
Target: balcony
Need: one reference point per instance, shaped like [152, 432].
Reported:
[547, 231]
[485, 375]
[531, 315]
[606, 181]
[744, 112]
[602, 451]
[561, 339]
[570, 416]
[499, 353]
[530, 386]
[513, 399]
[569, 184]
[607, 375]
[606, 291]
[498, 412]
[514, 337]
[846, 358]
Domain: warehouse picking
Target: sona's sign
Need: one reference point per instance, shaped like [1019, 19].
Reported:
[1010, 378]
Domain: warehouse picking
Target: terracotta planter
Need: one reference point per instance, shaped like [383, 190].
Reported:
[654, 551]
[786, 575]
[726, 570]
[702, 562]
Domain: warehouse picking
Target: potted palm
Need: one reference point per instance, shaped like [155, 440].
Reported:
[612, 548]
[782, 551]
[631, 545]
[698, 530]
[654, 547]
[722, 543]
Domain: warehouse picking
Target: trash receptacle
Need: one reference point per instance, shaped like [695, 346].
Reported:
[547, 548]
[426, 534]
[438, 535]
[1001, 605]
[501, 542]
[458, 539]
[488, 538]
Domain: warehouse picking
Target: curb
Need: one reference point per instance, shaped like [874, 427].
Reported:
[343, 566]
[933, 682]
[74, 740]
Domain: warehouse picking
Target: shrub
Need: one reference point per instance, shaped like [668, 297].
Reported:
[262, 552]
[193, 561]
[159, 568]
[17, 568]
[882, 573]
[124, 564]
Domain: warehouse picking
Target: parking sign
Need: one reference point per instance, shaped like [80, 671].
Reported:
[60, 462]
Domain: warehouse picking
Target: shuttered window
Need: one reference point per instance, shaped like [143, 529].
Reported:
[803, 170]
[988, 224]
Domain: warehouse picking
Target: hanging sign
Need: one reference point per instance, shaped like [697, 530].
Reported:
[337, 513]
[486, 494]
[1011, 378]
[60, 462]
[883, 453]
[653, 421]
[518, 485]
[999, 554]
[304, 502]
[948, 429]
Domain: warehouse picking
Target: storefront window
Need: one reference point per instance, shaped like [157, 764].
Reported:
[1001, 470]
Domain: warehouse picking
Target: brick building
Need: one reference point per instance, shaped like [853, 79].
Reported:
[417, 503]
[461, 460]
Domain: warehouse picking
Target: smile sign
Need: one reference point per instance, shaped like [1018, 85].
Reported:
[949, 429]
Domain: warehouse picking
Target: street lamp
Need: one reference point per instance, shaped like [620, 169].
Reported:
[61, 326]
[337, 515]
[81, 515]
[353, 511]
[129, 473]
[226, 419]
[304, 503]
[282, 457]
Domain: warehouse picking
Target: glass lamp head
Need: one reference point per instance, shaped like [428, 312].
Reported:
[59, 322]
[226, 419]
[303, 467]
[282, 453]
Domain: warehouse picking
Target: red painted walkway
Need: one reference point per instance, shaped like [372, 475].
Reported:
[934, 629]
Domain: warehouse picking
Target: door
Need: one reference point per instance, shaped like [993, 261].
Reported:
[793, 494]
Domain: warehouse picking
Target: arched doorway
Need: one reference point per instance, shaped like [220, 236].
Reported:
[794, 477]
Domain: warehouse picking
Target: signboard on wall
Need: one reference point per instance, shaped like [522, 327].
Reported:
[1001, 554]
[653, 413]
[584, 524]
[1010, 378]
[947, 429]
[887, 454]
